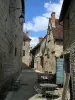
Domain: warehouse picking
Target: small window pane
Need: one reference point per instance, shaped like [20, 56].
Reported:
[24, 43]
[23, 52]
[15, 51]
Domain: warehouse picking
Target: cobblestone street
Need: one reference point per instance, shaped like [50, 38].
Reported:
[26, 91]
[37, 49]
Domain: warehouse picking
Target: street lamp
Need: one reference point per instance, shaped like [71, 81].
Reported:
[21, 19]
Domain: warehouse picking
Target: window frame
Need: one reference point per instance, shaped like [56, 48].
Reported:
[23, 52]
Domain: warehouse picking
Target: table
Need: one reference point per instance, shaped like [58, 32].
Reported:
[44, 73]
[48, 85]
[44, 76]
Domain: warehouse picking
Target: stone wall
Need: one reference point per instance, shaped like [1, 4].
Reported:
[69, 42]
[49, 57]
[26, 60]
[58, 48]
[37, 63]
[69, 30]
[48, 50]
[10, 40]
[45, 52]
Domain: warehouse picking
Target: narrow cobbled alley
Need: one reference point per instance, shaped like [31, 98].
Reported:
[37, 50]
[26, 90]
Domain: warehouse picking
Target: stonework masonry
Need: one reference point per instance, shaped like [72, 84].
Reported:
[49, 56]
[69, 47]
[10, 40]
[26, 58]
[50, 48]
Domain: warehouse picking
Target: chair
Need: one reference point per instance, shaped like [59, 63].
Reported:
[38, 89]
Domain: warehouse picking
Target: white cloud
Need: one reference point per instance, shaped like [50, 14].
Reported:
[52, 7]
[28, 26]
[46, 5]
[38, 23]
[34, 41]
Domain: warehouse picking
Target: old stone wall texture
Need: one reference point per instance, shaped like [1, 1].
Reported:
[49, 57]
[46, 48]
[69, 41]
[49, 50]
[10, 40]
[37, 59]
[26, 59]
[58, 48]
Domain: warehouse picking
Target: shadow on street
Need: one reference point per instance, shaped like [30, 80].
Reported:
[26, 90]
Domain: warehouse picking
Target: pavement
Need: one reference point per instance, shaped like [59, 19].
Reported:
[26, 90]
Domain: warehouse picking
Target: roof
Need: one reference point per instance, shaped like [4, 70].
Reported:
[26, 38]
[57, 34]
[38, 45]
[64, 9]
[57, 31]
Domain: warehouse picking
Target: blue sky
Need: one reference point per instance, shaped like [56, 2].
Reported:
[37, 13]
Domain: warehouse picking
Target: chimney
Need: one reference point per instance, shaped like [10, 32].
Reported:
[40, 39]
[27, 34]
[53, 19]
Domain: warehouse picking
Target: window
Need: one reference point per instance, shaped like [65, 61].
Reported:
[67, 62]
[23, 52]
[41, 61]
[24, 43]
[47, 52]
[48, 41]
[67, 22]
[15, 51]
[66, 26]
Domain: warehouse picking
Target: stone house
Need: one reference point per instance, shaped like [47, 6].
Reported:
[36, 54]
[54, 44]
[68, 19]
[50, 48]
[11, 35]
[26, 58]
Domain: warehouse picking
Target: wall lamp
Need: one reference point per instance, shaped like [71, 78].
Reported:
[21, 17]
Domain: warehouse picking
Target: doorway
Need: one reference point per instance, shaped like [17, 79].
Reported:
[68, 76]
[37, 65]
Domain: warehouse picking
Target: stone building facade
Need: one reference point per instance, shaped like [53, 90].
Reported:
[68, 18]
[26, 58]
[48, 56]
[36, 53]
[50, 48]
[54, 44]
[10, 40]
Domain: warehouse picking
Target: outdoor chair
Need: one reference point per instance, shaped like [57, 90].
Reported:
[42, 78]
[49, 93]
[52, 94]
[38, 89]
